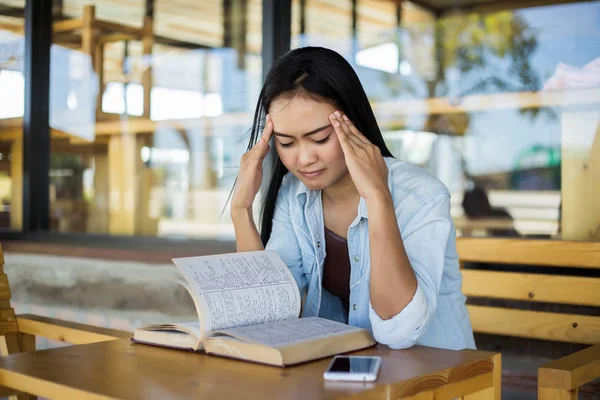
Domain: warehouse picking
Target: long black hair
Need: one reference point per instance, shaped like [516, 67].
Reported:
[319, 74]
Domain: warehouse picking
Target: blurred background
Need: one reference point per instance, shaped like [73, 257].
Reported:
[150, 102]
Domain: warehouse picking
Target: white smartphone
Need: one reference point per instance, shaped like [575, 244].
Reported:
[353, 368]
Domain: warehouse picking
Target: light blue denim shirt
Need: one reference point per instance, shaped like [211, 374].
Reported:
[436, 316]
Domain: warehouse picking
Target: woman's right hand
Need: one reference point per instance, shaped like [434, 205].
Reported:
[250, 175]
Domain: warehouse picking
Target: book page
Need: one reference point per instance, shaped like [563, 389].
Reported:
[285, 333]
[240, 289]
[192, 328]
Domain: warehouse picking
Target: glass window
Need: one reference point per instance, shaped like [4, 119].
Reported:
[150, 115]
[502, 105]
[12, 103]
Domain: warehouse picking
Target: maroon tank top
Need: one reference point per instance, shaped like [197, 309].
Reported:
[336, 269]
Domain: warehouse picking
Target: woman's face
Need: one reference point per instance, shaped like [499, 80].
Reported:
[306, 141]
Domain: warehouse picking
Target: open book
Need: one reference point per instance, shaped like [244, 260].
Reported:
[248, 307]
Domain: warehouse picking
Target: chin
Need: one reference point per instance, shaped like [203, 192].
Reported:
[316, 184]
[312, 185]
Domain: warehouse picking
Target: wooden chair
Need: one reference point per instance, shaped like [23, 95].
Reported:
[17, 333]
[561, 378]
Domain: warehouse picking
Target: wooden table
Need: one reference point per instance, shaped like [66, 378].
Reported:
[120, 369]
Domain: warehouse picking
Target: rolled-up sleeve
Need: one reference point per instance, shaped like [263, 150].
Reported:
[283, 240]
[425, 238]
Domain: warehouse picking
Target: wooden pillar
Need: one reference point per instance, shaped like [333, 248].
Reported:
[557, 394]
[236, 26]
[16, 174]
[87, 31]
[145, 224]
[147, 43]
[122, 184]
[98, 64]
[98, 211]
[94, 49]
[580, 175]
[130, 185]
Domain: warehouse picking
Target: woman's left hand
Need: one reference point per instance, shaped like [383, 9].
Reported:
[363, 159]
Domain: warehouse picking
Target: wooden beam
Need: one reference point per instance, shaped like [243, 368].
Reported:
[147, 45]
[572, 371]
[580, 175]
[57, 9]
[486, 102]
[67, 331]
[556, 394]
[571, 328]
[4, 287]
[114, 27]
[67, 25]
[495, 6]
[532, 287]
[16, 175]
[114, 37]
[10, 11]
[426, 5]
[11, 27]
[529, 252]
[98, 65]
[87, 35]
[8, 322]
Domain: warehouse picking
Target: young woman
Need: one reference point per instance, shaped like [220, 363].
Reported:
[369, 239]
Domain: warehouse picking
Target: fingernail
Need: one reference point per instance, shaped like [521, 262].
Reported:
[332, 116]
[337, 123]
[338, 114]
[345, 117]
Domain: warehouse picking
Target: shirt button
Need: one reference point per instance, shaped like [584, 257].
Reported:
[354, 307]
[319, 245]
[355, 259]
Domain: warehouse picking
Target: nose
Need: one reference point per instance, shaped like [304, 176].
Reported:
[306, 156]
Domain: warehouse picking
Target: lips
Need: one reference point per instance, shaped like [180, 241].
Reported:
[312, 174]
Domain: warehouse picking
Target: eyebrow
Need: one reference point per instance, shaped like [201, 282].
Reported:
[304, 134]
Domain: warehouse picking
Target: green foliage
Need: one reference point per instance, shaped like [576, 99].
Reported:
[475, 41]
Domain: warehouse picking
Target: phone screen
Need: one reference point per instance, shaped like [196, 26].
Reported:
[362, 365]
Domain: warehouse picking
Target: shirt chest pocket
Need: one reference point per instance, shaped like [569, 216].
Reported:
[308, 260]
[307, 252]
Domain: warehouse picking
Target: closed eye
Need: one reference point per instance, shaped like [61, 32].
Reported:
[322, 140]
[290, 144]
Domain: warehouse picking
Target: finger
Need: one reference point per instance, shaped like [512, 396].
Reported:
[266, 133]
[342, 138]
[346, 128]
[268, 130]
[259, 149]
[265, 149]
[266, 137]
[355, 131]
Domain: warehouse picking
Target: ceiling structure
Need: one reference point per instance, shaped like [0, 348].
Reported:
[181, 25]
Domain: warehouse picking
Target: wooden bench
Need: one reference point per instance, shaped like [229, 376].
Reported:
[559, 379]
[17, 333]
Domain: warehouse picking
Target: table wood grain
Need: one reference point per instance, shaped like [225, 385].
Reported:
[124, 370]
